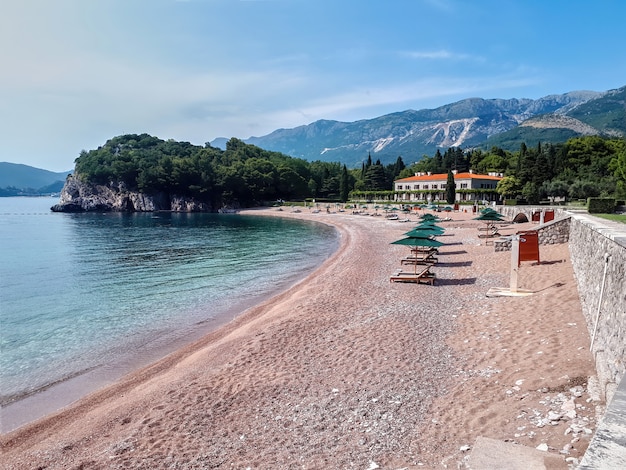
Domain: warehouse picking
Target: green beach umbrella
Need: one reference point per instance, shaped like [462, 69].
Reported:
[430, 231]
[489, 216]
[429, 225]
[417, 242]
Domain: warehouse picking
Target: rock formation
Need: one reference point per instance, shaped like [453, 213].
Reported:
[78, 196]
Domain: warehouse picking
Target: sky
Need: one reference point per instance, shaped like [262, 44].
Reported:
[75, 73]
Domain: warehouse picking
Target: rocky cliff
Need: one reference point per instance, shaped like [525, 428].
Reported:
[77, 196]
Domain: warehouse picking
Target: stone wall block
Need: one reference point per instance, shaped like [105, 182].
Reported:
[590, 243]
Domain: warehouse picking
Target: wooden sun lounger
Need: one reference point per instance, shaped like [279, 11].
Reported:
[489, 235]
[426, 250]
[421, 277]
[426, 260]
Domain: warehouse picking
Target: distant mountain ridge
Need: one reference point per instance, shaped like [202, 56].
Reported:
[469, 123]
[17, 179]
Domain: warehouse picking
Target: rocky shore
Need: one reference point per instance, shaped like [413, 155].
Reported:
[77, 196]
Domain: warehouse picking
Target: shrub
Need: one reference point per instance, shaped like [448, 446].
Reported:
[601, 205]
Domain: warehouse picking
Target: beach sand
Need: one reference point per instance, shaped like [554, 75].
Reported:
[348, 370]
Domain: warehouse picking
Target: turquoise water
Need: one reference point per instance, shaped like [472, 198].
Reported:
[83, 291]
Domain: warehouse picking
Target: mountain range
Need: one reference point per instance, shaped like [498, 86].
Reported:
[469, 123]
[17, 179]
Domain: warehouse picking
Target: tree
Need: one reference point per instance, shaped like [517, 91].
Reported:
[580, 189]
[521, 157]
[344, 185]
[290, 184]
[438, 166]
[531, 193]
[618, 164]
[450, 188]
[374, 179]
[557, 188]
[397, 167]
[508, 187]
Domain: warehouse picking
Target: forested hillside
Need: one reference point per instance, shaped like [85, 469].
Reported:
[246, 175]
[19, 180]
[242, 174]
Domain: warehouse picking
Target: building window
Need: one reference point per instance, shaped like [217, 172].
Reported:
[443, 186]
[463, 185]
[399, 187]
[425, 186]
[434, 186]
[416, 186]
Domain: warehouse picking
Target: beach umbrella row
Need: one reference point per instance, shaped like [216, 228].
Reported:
[421, 236]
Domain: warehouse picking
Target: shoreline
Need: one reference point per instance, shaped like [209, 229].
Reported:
[345, 368]
[54, 397]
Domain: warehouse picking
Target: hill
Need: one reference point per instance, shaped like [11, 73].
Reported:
[17, 179]
[469, 123]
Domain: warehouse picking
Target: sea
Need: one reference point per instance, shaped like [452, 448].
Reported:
[86, 298]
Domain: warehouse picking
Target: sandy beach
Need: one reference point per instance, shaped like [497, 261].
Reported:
[347, 370]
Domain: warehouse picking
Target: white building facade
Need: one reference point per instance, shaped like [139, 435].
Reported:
[426, 187]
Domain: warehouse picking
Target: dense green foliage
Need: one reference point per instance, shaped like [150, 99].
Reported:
[242, 174]
[581, 167]
[531, 136]
[245, 175]
[601, 205]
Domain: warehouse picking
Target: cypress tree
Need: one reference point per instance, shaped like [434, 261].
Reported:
[344, 182]
[450, 188]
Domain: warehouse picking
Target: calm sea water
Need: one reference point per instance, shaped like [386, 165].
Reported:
[84, 291]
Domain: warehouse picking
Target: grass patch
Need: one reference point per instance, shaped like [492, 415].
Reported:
[614, 217]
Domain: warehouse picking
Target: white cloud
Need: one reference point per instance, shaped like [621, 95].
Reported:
[440, 54]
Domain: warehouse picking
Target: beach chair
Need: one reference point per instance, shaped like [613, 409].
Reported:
[420, 258]
[420, 277]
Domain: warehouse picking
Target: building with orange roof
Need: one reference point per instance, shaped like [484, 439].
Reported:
[429, 187]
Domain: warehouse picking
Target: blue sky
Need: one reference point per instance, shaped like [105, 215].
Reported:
[76, 73]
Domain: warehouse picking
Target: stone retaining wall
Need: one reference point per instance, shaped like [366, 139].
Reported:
[553, 232]
[511, 211]
[596, 248]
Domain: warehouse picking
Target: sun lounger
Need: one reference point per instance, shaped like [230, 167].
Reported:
[418, 262]
[424, 249]
[489, 235]
[421, 277]
[420, 258]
